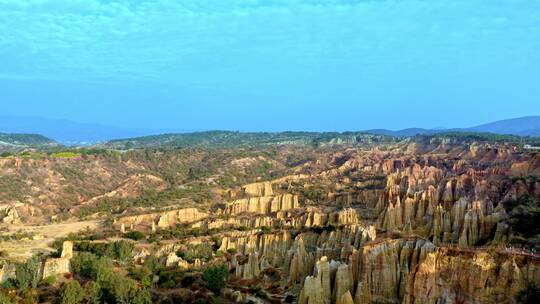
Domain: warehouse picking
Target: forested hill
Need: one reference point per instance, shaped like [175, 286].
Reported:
[231, 139]
[25, 140]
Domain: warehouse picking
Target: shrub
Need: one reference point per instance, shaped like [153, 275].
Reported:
[92, 293]
[199, 251]
[141, 296]
[112, 287]
[72, 293]
[120, 250]
[187, 280]
[170, 278]
[135, 235]
[524, 215]
[27, 274]
[50, 280]
[89, 265]
[123, 250]
[216, 277]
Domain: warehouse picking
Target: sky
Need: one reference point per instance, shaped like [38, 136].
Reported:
[271, 65]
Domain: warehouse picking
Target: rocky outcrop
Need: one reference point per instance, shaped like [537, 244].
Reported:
[343, 283]
[67, 250]
[298, 218]
[173, 260]
[251, 269]
[54, 267]
[9, 215]
[415, 271]
[259, 189]
[478, 277]
[263, 204]
[312, 293]
[161, 219]
[449, 210]
[58, 266]
[295, 257]
[301, 261]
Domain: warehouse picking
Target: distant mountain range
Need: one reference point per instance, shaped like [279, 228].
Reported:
[72, 133]
[522, 126]
[67, 132]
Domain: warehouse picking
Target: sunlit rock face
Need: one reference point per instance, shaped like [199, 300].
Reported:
[263, 204]
[161, 219]
[417, 271]
[58, 266]
[259, 189]
[458, 205]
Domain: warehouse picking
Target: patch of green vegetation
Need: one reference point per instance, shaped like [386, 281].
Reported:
[119, 250]
[31, 140]
[37, 155]
[135, 235]
[113, 286]
[198, 251]
[50, 280]
[216, 277]
[72, 293]
[482, 136]
[65, 154]
[27, 274]
[220, 139]
[6, 154]
[146, 272]
[150, 198]
[524, 216]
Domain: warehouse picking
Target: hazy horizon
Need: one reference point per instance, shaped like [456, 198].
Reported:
[151, 131]
[310, 65]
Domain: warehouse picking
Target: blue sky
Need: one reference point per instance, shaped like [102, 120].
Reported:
[271, 65]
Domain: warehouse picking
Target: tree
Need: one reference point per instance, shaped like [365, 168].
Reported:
[123, 250]
[89, 265]
[216, 277]
[72, 293]
[135, 235]
[92, 293]
[141, 296]
[27, 273]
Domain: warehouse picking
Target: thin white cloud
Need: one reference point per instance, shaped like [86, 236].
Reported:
[216, 43]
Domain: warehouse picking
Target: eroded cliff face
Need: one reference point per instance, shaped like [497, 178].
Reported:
[453, 276]
[461, 204]
[416, 271]
[263, 204]
[387, 227]
[412, 223]
[433, 214]
[164, 219]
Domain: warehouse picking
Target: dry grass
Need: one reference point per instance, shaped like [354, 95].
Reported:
[45, 234]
